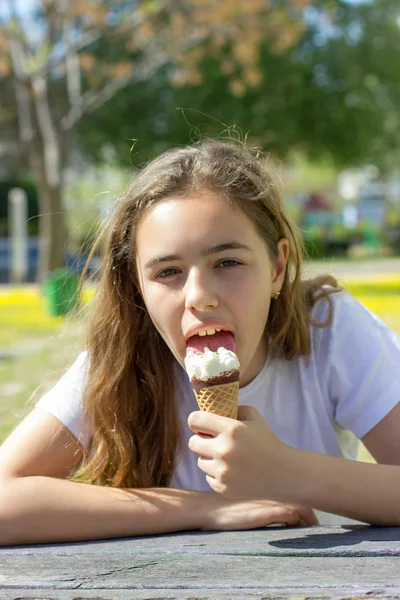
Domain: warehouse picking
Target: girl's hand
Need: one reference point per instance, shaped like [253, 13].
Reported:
[229, 515]
[241, 459]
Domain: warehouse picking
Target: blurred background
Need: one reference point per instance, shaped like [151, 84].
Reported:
[89, 90]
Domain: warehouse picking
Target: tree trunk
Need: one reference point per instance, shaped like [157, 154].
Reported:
[48, 159]
[52, 227]
[53, 235]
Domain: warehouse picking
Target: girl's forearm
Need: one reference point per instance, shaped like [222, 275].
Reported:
[363, 491]
[43, 509]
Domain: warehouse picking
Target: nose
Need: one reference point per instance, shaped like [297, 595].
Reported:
[200, 292]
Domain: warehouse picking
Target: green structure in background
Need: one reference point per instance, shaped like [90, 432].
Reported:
[60, 289]
[370, 234]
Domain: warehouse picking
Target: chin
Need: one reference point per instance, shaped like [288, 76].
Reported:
[243, 379]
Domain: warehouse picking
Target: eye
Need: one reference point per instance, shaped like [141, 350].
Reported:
[166, 273]
[228, 262]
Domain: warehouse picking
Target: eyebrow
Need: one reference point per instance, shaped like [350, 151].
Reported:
[206, 252]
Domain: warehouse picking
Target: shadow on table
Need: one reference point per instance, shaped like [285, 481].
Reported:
[355, 534]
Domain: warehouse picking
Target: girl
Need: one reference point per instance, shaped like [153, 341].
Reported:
[199, 242]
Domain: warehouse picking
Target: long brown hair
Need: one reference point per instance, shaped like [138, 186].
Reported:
[129, 398]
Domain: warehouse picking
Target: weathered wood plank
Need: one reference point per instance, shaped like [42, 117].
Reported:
[312, 594]
[336, 563]
[200, 572]
[305, 541]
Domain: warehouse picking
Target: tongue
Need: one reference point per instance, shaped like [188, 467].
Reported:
[197, 343]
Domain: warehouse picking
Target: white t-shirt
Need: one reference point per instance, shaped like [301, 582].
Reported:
[322, 403]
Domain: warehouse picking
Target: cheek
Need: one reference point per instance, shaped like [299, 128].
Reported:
[251, 300]
[163, 306]
[249, 292]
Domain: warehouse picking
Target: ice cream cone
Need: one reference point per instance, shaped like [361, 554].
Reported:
[219, 399]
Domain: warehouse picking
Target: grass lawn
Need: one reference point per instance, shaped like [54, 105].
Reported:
[35, 348]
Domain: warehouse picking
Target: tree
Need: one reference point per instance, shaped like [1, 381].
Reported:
[333, 92]
[67, 58]
[353, 94]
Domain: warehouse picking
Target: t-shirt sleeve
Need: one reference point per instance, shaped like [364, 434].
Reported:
[361, 365]
[64, 400]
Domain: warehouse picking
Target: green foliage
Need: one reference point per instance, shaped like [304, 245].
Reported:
[331, 240]
[355, 90]
[315, 248]
[333, 96]
[89, 197]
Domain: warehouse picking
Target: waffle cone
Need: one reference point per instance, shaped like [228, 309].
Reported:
[219, 399]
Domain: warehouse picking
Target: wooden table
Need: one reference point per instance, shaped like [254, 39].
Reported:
[311, 562]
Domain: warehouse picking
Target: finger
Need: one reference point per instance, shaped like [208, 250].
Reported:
[206, 465]
[287, 515]
[201, 445]
[212, 482]
[308, 517]
[209, 423]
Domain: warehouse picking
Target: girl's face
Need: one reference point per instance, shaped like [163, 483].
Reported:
[203, 265]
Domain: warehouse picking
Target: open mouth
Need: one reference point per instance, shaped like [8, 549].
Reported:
[197, 342]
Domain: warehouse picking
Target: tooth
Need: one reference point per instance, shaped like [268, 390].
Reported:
[210, 331]
[217, 329]
[202, 333]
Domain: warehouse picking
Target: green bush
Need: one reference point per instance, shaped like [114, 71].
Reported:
[315, 248]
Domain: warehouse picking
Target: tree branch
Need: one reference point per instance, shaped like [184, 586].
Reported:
[25, 125]
[21, 84]
[73, 68]
[52, 25]
[89, 37]
[20, 35]
[16, 47]
[94, 99]
[48, 132]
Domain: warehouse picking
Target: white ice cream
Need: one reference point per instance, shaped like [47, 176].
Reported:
[210, 364]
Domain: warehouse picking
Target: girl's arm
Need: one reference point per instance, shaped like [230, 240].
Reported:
[39, 504]
[245, 459]
[376, 487]
[363, 491]
[44, 509]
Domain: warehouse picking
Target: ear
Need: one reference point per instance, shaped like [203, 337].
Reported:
[279, 265]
